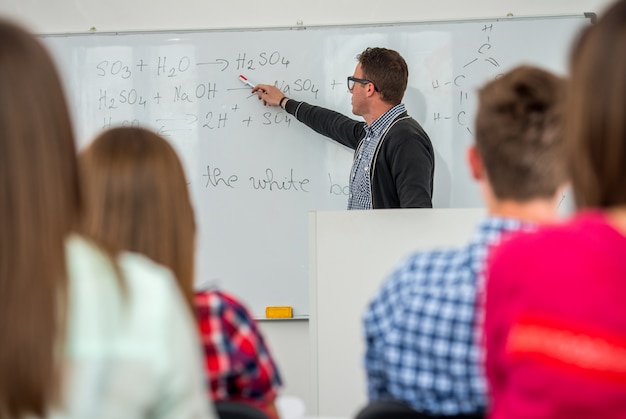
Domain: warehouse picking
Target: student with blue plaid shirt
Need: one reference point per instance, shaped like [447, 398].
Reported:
[394, 161]
[423, 356]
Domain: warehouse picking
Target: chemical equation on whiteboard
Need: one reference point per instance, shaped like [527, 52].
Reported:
[164, 66]
[191, 94]
[209, 120]
[460, 84]
[179, 94]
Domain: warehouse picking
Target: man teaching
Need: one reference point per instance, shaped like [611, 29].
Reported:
[394, 160]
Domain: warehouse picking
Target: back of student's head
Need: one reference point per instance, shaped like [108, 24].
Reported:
[519, 134]
[39, 203]
[136, 199]
[596, 127]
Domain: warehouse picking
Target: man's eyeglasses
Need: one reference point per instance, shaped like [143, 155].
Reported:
[352, 80]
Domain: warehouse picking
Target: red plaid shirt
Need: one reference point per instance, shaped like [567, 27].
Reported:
[238, 364]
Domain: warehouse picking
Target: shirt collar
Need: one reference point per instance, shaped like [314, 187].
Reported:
[491, 227]
[377, 127]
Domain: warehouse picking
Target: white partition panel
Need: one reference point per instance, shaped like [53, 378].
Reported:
[350, 254]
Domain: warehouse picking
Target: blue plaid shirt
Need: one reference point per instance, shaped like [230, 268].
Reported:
[360, 188]
[420, 329]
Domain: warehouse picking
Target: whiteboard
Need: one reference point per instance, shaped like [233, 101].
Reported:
[255, 172]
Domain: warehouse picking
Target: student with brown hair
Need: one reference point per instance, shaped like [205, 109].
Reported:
[80, 339]
[136, 198]
[555, 322]
[423, 356]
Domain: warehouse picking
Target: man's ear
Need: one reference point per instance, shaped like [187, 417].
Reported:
[370, 90]
[475, 163]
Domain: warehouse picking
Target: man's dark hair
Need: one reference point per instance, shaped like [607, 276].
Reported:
[387, 70]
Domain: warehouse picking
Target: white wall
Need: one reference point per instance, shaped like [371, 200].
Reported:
[289, 339]
[54, 16]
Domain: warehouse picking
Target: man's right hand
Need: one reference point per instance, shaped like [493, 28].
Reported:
[270, 95]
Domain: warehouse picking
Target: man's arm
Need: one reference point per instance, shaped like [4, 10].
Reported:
[331, 124]
[326, 122]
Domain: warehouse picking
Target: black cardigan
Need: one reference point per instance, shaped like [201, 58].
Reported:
[403, 165]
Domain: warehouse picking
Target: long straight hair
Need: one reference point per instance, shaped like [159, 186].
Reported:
[136, 198]
[39, 205]
[596, 125]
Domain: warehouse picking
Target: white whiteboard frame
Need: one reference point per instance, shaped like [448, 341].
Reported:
[330, 27]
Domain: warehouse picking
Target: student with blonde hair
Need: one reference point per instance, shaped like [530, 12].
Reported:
[81, 337]
[555, 320]
[136, 198]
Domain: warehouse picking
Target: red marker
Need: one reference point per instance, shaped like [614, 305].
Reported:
[245, 81]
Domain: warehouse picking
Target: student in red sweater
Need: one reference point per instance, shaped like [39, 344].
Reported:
[555, 321]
